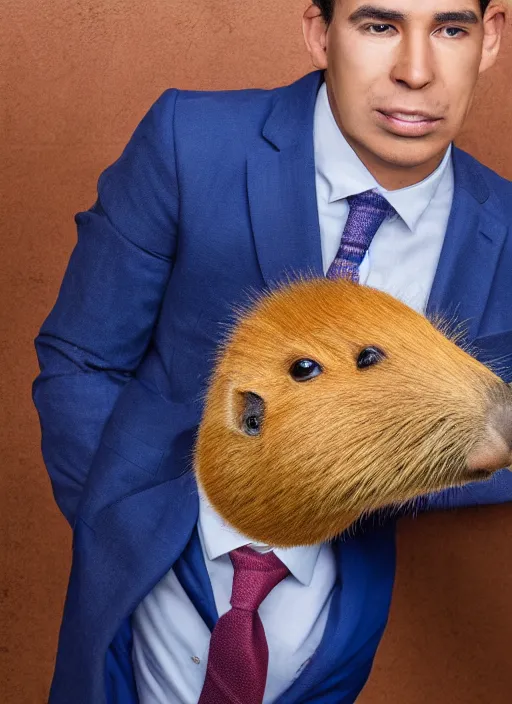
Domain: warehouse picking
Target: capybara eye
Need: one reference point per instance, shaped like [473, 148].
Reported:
[370, 356]
[305, 369]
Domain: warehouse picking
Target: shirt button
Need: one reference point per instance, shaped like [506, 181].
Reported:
[195, 659]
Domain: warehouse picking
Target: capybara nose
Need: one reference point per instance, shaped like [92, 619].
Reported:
[494, 451]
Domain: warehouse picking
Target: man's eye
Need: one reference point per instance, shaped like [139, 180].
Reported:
[453, 31]
[378, 28]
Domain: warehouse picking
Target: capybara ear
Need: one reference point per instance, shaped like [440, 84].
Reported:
[247, 412]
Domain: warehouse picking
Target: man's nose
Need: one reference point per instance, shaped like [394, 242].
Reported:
[414, 65]
[494, 451]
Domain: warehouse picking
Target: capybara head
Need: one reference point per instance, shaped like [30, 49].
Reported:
[330, 400]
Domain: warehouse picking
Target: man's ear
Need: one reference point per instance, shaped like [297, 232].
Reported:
[494, 25]
[314, 30]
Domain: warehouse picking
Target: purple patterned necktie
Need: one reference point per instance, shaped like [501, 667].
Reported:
[236, 672]
[368, 211]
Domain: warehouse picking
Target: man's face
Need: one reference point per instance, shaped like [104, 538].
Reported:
[401, 74]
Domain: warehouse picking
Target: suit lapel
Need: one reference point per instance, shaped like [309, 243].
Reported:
[357, 617]
[193, 576]
[281, 186]
[471, 250]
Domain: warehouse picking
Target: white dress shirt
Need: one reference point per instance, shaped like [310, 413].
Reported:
[171, 641]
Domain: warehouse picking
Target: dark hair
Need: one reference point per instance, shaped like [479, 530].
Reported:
[326, 7]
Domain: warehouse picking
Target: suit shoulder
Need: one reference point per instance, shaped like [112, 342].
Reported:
[234, 113]
[215, 99]
[499, 186]
[201, 124]
[215, 124]
[494, 179]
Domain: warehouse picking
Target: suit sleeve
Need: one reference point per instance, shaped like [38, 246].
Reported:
[100, 325]
[497, 490]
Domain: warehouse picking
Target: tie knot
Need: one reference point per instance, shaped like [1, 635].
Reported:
[371, 202]
[255, 575]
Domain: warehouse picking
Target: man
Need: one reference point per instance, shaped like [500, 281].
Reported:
[216, 195]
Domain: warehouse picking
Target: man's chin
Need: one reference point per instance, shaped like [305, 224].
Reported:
[386, 150]
[410, 155]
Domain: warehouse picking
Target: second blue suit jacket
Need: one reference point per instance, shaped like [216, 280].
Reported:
[212, 199]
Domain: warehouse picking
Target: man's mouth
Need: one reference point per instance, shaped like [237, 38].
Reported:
[409, 117]
[408, 123]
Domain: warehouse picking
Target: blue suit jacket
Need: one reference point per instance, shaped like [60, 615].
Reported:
[212, 199]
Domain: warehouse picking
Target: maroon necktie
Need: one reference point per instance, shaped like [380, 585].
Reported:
[237, 666]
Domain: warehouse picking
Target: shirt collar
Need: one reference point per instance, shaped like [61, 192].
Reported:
[344, 174]
[218, 538]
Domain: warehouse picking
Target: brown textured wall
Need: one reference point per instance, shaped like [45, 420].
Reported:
[75, 78]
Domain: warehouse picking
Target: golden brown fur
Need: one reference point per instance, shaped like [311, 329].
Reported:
[350, 440]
